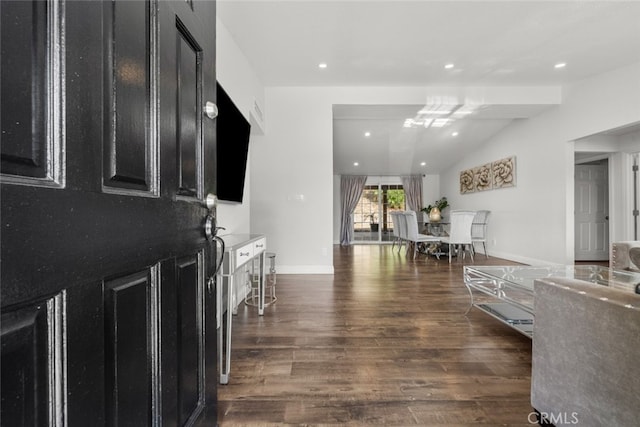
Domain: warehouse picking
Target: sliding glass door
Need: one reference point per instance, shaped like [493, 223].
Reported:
[371, 220]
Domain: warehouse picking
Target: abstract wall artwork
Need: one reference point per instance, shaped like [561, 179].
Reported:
[466, 181]
[483, 178]
[490, 176]
[504, 172]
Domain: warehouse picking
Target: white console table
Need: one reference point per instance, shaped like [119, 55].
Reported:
[239, 250]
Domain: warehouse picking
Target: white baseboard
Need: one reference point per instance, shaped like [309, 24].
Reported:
[304, 269]
[515, 258]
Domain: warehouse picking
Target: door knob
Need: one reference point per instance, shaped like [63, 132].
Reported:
[211, 201]
[211, 110]
[210, 227]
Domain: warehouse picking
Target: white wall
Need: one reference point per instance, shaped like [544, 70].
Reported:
[240, 82]
[431, 190]
[533, 222]
[292, 181]
[629, 143]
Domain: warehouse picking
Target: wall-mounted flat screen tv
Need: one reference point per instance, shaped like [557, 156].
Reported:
[232, 141]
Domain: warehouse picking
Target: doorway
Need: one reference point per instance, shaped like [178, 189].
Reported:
[371, 218]
[615, 202]
[592, 211]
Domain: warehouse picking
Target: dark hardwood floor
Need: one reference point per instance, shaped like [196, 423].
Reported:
[382, 342]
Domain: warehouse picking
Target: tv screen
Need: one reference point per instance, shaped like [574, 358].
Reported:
[232, 142]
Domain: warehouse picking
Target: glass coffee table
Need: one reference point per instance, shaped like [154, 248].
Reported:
[506, 292]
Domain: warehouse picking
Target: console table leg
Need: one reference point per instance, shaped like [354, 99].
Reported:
[225, 344]
[261, 284]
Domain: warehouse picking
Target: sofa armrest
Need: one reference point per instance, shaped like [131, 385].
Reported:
[586, 343]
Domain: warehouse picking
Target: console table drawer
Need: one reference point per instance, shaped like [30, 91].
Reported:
[259, 246]
[243, 254]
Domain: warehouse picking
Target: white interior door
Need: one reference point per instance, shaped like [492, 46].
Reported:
[591, 212]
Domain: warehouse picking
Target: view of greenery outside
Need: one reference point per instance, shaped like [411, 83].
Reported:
[371, 215]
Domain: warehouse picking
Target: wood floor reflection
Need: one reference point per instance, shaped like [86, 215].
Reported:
[384, 341]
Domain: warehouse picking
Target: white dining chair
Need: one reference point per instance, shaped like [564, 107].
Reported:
[479, 230]
[402, 228]
[396, 228]
[460, 232]
[413, 236]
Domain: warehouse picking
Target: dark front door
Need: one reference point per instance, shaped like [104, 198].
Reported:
[107, 157]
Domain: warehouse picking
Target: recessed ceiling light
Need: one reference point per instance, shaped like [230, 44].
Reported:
[423, 164]
[449, 66]
[355, 163]
[560, 65]
[454, 134]
[322, 65]
[367, 134]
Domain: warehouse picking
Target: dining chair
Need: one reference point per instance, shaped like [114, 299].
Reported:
[396, 228]
[413, 235]
[479, 230]
[402, 228]
[460, 232]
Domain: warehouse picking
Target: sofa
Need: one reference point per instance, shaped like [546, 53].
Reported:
[586, 354]
[625, 255]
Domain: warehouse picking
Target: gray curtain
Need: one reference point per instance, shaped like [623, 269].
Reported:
[351, 187]
[413, 193]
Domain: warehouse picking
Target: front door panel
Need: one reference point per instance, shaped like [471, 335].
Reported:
[130, 149]
[31, 73]
[189, 113]
[190, 350]
[32, 360]
[131, 357]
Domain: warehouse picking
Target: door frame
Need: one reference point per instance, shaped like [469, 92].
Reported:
[620, 178]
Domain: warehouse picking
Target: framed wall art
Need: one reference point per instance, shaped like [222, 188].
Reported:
[490, 176]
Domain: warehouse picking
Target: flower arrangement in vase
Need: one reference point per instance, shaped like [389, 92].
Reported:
[434, 212]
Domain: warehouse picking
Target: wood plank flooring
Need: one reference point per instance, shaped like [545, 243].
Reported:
[384, 341]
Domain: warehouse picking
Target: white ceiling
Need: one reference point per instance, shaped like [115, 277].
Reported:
[407, 43]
